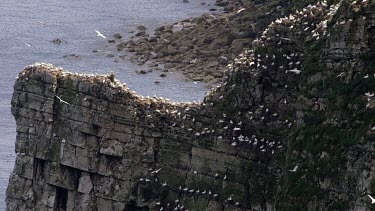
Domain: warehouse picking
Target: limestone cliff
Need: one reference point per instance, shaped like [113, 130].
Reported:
[291, 128]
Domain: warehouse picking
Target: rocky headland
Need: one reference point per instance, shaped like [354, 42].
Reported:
[291, 127]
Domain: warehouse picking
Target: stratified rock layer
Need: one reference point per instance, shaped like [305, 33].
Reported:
[292, 128]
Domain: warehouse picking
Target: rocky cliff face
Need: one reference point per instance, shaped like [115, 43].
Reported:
[291, 128]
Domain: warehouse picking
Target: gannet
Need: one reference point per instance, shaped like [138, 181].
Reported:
[295, 169]
[372, 199]
[100, 34]
[341, 74]
[368, 94]
[62, 100]
[295, 71]
[156, 171]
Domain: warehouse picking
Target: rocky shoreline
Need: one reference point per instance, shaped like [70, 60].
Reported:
[202, 47]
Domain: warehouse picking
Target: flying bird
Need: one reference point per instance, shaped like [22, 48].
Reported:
[372, 199]
[63, 101]
[295, 169]
[100, 34]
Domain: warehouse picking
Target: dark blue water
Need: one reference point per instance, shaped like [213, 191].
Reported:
[28, 27]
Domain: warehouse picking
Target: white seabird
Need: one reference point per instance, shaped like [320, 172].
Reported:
[295, 71]
[156, 171]
[341, 74]
[368, 94]
[295, 169]
[372, 199]
[100, 34]
[63, 101]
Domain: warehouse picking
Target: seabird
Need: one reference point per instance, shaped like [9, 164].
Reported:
[100, 34]
[62, 100]
[341, 74]
[295, 169]
[372, 199]
[156, 171]
[295, 71]
[368, 94]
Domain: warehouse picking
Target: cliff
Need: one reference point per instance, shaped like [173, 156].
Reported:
[291, 128]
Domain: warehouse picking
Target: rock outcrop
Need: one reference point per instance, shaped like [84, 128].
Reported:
[291, 128]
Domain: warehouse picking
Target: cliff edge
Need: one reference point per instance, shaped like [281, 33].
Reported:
[291, 128]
